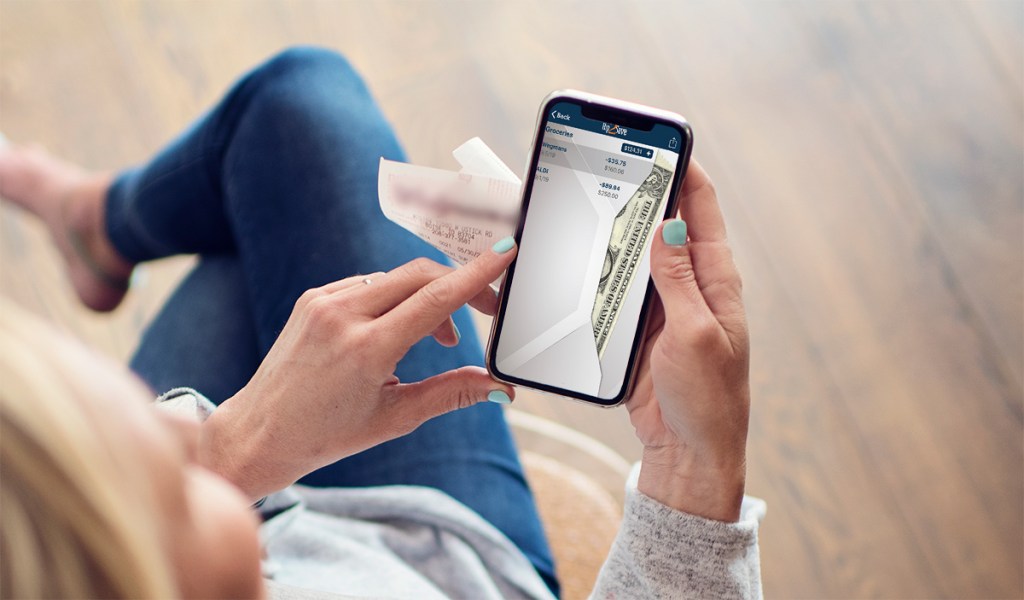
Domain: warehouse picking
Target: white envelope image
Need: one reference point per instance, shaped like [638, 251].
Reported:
[547, 333]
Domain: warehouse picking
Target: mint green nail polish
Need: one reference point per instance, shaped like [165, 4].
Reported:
[458, 334]
[498, 396]
[503, 245]
[674, 232]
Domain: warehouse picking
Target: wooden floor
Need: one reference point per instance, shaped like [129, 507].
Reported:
[869, 159]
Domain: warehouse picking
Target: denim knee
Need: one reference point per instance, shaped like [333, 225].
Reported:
[308, 116]
[298, 59]
[302, 83]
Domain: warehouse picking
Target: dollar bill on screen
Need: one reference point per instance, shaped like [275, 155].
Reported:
[631, 231]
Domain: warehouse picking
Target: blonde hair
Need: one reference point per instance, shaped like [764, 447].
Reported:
[76, 516]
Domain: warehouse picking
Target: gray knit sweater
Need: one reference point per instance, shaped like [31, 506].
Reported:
[417, 542]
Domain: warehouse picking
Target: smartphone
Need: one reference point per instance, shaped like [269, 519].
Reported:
[603, 173]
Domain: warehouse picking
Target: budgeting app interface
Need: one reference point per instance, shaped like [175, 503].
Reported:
[599, 192]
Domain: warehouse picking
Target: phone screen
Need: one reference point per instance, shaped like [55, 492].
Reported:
[572, 311]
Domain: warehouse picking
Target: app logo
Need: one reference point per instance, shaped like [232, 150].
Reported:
[613, 129]
[560, 115]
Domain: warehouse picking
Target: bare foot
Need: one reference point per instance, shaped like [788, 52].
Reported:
[70, 201]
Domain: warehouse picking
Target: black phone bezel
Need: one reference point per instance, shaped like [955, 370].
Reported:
[621, 115]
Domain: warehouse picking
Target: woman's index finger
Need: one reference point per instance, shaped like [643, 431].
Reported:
[416, 317]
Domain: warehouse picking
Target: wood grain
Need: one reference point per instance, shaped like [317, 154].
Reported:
[869, 157]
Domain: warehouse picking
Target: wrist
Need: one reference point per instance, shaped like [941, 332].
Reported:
[231, 445]
[705, 485]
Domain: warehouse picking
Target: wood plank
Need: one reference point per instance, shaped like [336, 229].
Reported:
[948, 135]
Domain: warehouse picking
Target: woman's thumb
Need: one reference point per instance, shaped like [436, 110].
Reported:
[672, 269]
[452, 390]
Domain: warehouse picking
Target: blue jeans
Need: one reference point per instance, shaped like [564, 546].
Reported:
[276, 191]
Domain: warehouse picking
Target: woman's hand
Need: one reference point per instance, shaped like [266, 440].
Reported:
[691, 404]
[327, 388]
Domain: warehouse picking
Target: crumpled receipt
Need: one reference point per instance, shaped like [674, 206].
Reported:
[460, 213]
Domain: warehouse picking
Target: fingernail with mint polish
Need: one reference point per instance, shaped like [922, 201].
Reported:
[503, 245]
[498, 396]
[458, 334]
[674, 232]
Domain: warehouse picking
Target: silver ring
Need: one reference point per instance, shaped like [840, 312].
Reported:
[367, 281]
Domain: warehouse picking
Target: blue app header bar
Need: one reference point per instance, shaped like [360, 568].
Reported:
[660, 135]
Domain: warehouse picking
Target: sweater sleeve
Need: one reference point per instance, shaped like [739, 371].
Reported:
[664, 553]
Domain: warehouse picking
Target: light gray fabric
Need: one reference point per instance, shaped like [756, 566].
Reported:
[663, 553]
[417, 542]
[280, 591]
[392, 541]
